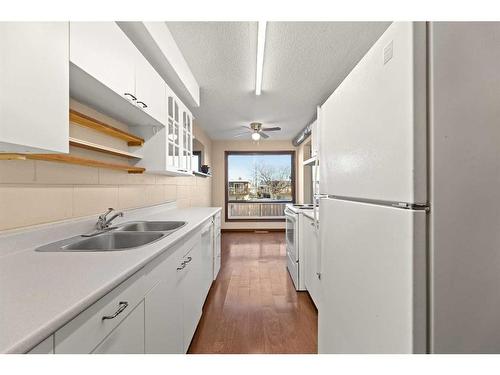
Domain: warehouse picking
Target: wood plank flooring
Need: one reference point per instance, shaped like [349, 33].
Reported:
[253, 307]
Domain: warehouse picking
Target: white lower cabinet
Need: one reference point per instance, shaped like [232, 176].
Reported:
[311, 249]
[216, 245]
[163, 323]
[156, 310]
[191, 285]
[207, 256]
[128, 337]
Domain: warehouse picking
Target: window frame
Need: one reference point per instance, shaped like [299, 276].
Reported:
[226, 185]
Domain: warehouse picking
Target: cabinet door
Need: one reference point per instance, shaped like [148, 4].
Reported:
[150, 90]
[128, 337]
[217, 254]
[163, 304]
[173, 133]
[207, 256]
[103, 51]
[34, 87]
[192, 292]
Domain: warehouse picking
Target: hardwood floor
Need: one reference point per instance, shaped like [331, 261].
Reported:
[253, 306]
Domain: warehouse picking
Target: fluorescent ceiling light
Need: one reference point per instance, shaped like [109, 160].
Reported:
[255, 136]
[261, 44]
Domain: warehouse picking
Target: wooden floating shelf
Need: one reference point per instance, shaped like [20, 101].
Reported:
[89, 122]
[106, 150]
[65, 158]
[12, 157]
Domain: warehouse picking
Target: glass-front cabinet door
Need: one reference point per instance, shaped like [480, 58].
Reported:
[179, 136]
[187, 141]
[173, 136]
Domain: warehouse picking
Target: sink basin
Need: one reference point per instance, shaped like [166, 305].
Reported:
[108, 241]
[113, 241]
[151, 226]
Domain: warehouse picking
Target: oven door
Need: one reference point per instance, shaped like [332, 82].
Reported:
[291, 234]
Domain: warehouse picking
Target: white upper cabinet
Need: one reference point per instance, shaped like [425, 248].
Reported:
[169, 150]
[314, 139]
[150, 90]
[34, 87]
[110, 74]
[104, 52]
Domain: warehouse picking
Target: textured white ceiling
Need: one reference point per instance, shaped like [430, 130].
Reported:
[303, 64]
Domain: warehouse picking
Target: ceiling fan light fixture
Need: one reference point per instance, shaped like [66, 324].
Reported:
[256, 136]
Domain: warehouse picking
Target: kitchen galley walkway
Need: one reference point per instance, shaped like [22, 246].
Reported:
[253, 307]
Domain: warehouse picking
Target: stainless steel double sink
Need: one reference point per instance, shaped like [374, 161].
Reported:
[123, 237]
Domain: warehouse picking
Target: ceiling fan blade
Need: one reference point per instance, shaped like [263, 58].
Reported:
[263, 135]
[273, 129]
[242, 134]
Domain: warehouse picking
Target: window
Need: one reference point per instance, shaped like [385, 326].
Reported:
[259, 184]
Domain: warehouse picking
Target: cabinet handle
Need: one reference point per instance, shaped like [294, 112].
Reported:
[123, 306]
[312, 224]
[144, 105]
[183, 265]
[131, 96]
[189, 259]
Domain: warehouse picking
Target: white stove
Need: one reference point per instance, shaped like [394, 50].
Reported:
[297, 208]
[293, 214]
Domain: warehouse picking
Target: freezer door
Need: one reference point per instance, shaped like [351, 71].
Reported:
[373, 127]
[373, 279]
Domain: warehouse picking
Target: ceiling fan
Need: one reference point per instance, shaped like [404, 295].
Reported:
[256, 131]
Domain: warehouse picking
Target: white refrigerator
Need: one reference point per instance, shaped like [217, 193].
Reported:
[409, 212]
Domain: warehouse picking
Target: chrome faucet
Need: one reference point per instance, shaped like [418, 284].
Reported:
[103, 223]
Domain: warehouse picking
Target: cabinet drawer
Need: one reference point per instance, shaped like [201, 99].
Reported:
[88, 329]
[154, 271]
[128, 337]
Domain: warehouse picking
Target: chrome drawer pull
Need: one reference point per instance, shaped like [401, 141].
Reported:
[131, 96]
[189, 259]
[123, 306]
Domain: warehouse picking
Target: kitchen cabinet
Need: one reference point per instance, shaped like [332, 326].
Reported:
[179, 136]
[169, 150]
[314, 139]
[128, 337]
[150, 90]
[311, 250]
[104, 52]
[163, 323]
[156, 310]
[34, 81]
[191, 286]
[207, 256]
[217, 245]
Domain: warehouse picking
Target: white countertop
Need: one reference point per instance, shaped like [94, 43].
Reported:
[42, 291]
